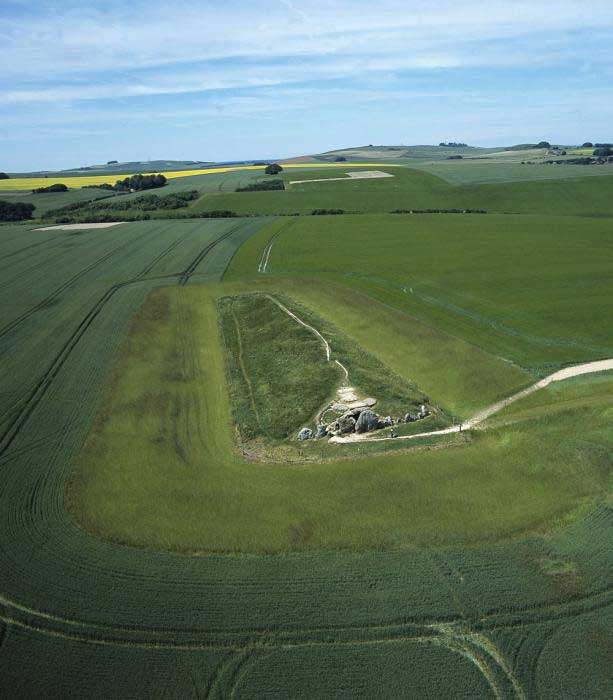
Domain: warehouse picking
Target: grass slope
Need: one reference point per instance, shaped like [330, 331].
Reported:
[414, 189]
[531, 289]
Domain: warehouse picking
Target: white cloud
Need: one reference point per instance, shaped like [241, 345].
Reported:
[88, 38]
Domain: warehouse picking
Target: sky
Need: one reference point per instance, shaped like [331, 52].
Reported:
[86, 82]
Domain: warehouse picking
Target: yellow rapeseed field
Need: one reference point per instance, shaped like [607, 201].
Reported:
[30, 183]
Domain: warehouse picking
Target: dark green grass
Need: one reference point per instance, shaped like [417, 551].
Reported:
[414, 189]
[278, 373]
[531, 289]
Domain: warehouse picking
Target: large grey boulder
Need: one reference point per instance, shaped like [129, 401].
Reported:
[305, 434]
[423, 411]
[346, 424]
[332, 428]
[385, 422]
[409, 418]
[367, 421]
[322, 431]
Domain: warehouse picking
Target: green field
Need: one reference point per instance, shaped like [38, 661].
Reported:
[416, 189]
[53, 200]
[164, 534]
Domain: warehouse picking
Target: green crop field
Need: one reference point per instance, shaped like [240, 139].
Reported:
[163, 532]
[53, 200]
[415, 189]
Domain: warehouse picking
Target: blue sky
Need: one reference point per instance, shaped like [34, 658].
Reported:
[86, 82]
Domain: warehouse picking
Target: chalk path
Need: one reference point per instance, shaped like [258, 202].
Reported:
[478, 418]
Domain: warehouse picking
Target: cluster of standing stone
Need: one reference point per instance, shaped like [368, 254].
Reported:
[360, 420]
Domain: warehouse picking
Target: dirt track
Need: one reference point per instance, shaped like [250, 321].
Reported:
[478, 418]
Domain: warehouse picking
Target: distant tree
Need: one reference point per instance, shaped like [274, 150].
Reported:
[453, 144]
[587, 144]
[273, 169]
[603, 151]
[543, 144]
[340, 159]
[4, 176]
[15, 211]
[111, 162]
[58, 187]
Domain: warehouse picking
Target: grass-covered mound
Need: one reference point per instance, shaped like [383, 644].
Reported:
[160, 467]
[277, 369]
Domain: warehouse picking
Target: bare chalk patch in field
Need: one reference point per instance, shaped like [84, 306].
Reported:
[79, 227]
[363, 175]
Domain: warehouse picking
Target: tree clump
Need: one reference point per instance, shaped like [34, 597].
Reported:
[15, 211]
[133, 183]
[273, 169]
[263, 185]
[4, 176]
[603, 150]
[58, 187]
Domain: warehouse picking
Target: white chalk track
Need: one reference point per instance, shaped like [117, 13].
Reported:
[478, 418]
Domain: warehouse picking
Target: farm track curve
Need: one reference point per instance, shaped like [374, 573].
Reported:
[66, 285]
[57, 242]
[191, 268]
[236, 639]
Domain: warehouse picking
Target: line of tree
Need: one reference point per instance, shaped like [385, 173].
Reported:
[4, 176]
[262, 185]
[439, 211]
[603, 150]
[15, 211]
[453, 144]
[133, 183]
[146, 202]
